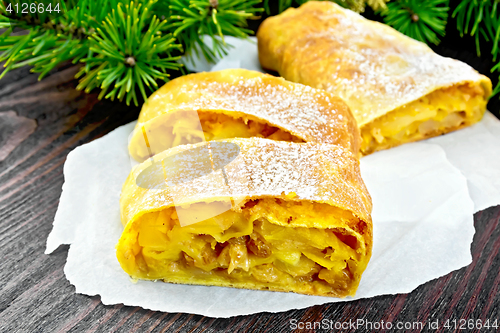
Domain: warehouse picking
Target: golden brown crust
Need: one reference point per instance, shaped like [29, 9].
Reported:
[371, 66]
[309, 114]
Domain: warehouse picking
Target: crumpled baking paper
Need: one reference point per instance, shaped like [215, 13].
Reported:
[423, 228]
[475, 151]
[422, 217]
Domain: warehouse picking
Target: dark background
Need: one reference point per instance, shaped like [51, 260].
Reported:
[50, 118]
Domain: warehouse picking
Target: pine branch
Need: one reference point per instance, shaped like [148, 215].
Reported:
[191, 19]
[496, 91]
[127, 47]
[481, 20]
[123, 46]
[282, 5]
[47, 44]
[421, 20]
[131, 49]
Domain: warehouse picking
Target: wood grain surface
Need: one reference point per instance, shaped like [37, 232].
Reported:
[36, 297]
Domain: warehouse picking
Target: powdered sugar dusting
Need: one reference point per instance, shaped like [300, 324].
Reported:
[310, 114]
[264, 168]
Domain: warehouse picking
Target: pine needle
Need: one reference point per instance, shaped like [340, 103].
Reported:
[422, 20]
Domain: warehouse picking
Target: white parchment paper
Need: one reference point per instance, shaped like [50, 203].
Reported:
[423, 228]
[423, 217]
[476, 152]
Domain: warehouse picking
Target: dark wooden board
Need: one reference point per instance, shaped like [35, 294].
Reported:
[36, 297]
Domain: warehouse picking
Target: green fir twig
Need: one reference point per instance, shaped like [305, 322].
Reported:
[481, 20]
[46, 45]
[190, 20]
[132, 49]
[422, 20]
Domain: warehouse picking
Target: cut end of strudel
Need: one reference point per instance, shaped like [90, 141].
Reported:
[238, 103]
[398, 89]
[255, 213]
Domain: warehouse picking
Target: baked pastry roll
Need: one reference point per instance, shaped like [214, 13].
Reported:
[398, 89]
[274, 215]
[239, 103]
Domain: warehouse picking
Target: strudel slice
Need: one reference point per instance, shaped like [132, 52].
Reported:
[268, 215]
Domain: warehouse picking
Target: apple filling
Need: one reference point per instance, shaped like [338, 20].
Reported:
[262, 245]
[439, 112]
[184, 128]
